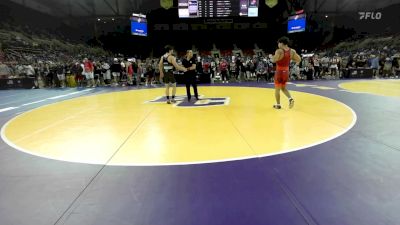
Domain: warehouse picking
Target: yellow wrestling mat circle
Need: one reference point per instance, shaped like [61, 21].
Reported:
[389, 88]
[138, 128]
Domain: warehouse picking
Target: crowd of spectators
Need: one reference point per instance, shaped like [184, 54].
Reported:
[53, 63]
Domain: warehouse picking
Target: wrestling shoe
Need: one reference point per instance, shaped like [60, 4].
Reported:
[277, 106]
[291, 103]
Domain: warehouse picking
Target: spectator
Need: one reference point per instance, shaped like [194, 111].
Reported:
[387, 67]
[375, 66]
[261, 70]
[89, 72]
[334, 67]
[5, 71]
[98, 75]
[223, 68]
[106, 73]
[76, 71]
[325, 65]
[60, 70]
[129, 71]
[317, 70]
[116, 71]
[156, 71]
[149, 73]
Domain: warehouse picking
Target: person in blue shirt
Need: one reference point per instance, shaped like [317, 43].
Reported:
[375, 65]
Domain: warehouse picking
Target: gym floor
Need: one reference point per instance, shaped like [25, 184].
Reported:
[123, 156]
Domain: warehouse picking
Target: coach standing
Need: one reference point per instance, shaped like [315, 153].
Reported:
[189, 62]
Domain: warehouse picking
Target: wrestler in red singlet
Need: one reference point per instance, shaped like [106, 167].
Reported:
[282, 70]
[282, 57]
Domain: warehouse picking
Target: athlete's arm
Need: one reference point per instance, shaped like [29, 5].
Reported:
[160, 67]
[295, 57]
[278, 56]
[172, 60]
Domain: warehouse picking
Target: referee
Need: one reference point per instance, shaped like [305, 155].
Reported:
[189, 63]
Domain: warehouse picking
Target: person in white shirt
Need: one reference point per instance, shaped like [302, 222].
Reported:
[387, 67]
[5, 71]
[325, 65]
[334, 67]
[317, 70]
[30, 73]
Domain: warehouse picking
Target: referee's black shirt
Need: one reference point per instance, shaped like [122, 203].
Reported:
[189, 63]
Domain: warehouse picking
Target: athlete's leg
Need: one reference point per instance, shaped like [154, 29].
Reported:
[188, 89]
[278, 95]
[286, 92]
[196, 94]
[173, 89]
[167, 92]
[173, 92]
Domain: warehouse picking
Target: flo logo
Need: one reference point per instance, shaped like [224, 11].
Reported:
[182, 101]
[370, 15]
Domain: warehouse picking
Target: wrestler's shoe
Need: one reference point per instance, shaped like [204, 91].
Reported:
[277, 106]
[291, 103]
